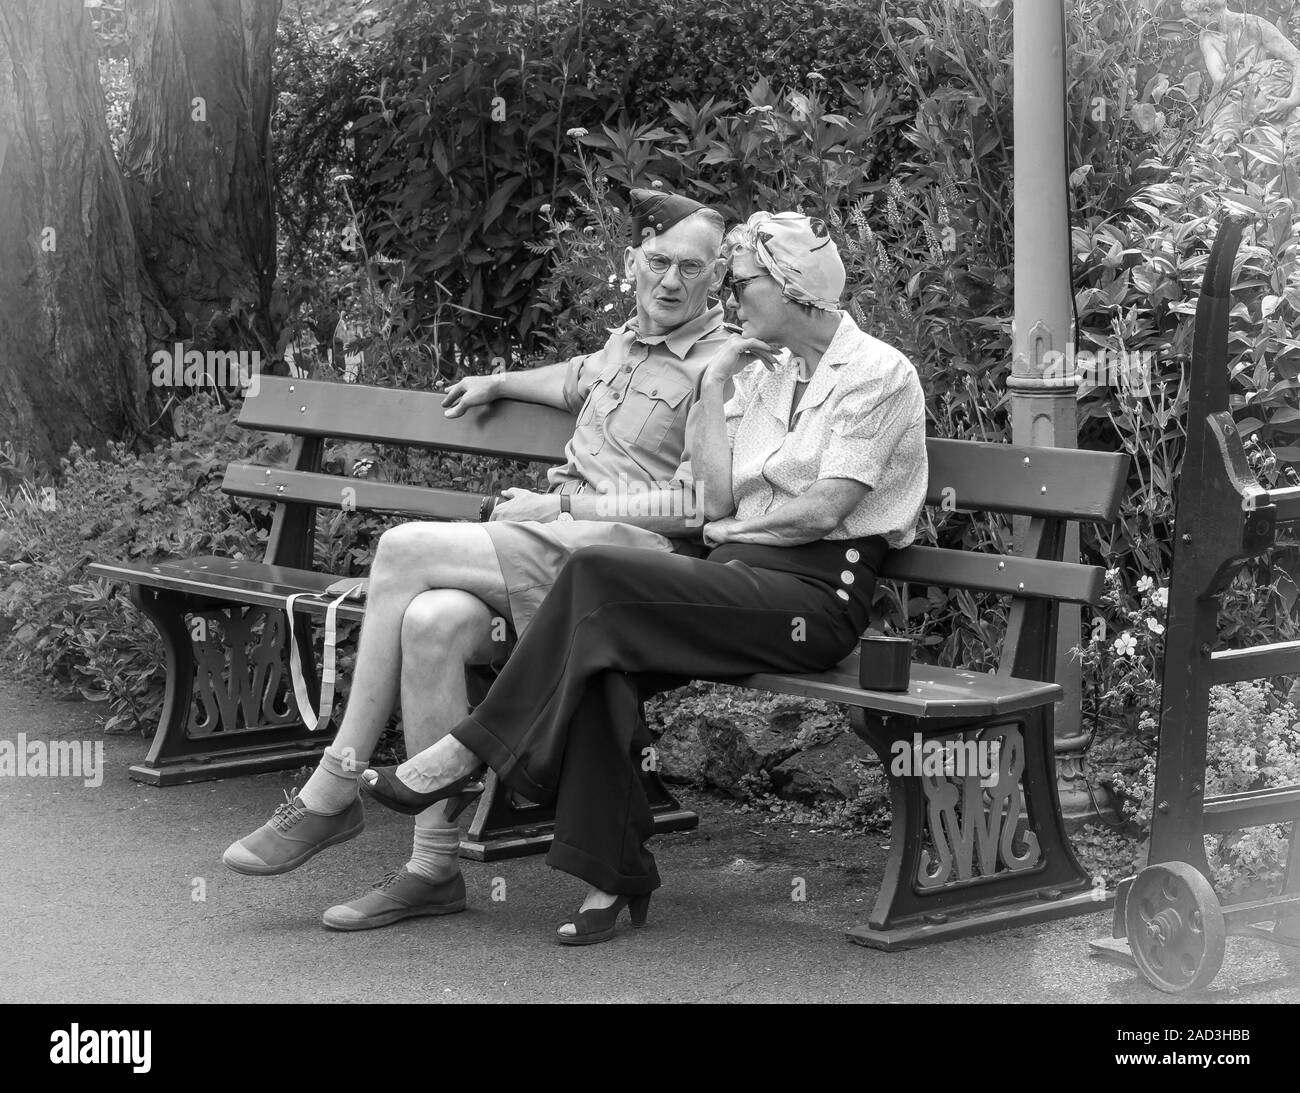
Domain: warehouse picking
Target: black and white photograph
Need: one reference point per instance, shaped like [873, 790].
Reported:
[650, 501]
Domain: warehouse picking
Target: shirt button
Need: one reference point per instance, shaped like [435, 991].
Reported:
[846, 577]
[654, 390]
[627, 368]
[851, 555]
[841, 594]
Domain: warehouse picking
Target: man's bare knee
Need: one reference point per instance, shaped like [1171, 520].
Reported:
[436, 556]
[400, 546]
[443, 623]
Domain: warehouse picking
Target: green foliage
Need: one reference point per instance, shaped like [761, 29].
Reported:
[468, 111]
[1149, 198]
[1124, 656]
[586, 290]
[463, 140]
[318, 90]
[1253, 742]
[81, 632]
[346, 311]
[645, 51]
[786, 145]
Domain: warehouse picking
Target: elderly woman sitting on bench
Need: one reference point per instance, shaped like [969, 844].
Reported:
[810, 472]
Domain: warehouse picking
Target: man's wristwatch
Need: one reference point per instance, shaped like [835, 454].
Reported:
[566, 507]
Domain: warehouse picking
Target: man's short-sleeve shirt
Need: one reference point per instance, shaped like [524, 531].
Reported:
[862, 417]
[632, 398]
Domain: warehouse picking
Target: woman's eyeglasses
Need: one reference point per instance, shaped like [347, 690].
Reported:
[689, 268]
[736, 285]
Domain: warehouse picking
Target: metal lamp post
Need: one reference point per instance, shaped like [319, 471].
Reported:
[1043, 409]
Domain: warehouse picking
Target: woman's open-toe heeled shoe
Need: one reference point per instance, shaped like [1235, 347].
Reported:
[600, 923]
[390, 791]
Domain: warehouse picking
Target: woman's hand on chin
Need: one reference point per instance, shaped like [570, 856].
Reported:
[717, 532]
[737, 353]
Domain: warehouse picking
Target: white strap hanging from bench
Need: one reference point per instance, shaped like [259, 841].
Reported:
[317, 720]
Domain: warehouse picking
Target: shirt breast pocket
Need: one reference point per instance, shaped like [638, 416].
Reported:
[654, 406]
[600, 400]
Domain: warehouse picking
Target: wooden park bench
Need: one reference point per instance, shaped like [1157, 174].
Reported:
[964, 857]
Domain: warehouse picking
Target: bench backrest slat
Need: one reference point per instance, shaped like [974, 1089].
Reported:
[1066, 582]
[970, 475]
[1014, 478]
[332, 491]
[506, 428]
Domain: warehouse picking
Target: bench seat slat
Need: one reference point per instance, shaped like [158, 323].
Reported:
[1066, 582]
[983, 477]
[232, 580]
[514, 430]
[932, 692]
[326, 491]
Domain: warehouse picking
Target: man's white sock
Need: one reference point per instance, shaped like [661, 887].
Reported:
[333, 784]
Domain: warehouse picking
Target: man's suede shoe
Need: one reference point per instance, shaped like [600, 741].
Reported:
[291, 836]
[399, 895]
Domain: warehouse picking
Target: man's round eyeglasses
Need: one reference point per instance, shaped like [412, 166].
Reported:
[689, 268]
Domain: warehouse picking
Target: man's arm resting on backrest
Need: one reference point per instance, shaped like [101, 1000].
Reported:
[544, 385]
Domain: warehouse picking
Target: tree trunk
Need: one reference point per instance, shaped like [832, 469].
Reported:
[198, 165]
[73, 364]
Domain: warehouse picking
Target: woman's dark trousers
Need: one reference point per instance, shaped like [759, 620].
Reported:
[562, 720]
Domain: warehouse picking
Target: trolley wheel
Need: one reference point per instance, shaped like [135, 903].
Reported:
[1175, 927]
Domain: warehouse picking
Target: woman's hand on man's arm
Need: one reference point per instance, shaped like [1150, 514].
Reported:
[805, 519]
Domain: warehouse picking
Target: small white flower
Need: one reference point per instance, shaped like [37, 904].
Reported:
[610, 279]
[609, 307]
[577, 131]
[1160, 597]
[1145, 584]
[545, 210]
[625, 286]
[343, 178]
[1155, 627]
[816, 76]
[1125, 645]
[1112, 573]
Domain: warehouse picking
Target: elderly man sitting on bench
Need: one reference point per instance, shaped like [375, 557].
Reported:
[435, 588]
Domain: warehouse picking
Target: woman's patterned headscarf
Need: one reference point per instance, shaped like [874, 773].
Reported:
[798, 252]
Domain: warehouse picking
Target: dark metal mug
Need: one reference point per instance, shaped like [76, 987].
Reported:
[884, 662]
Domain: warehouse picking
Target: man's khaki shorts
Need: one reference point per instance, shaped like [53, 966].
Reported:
[531, 554]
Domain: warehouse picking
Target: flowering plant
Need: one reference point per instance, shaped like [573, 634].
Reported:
[586, 290]
[1122, 666]
[1252, 742]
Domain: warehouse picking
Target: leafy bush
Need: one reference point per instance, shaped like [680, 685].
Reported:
[648, 51]
[66, 628]
[1253, 742]
[464, 135]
